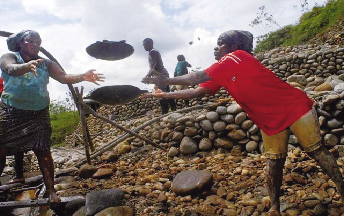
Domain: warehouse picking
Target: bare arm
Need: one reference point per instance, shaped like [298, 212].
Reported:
[60, 75]
[190, 79]
[182, 94]
[8, 63]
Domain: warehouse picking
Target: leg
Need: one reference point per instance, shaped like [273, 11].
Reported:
[274, 178]
[172, 104]
[186, 101]
[275, 150]
[307, 131]
[164, 106]
[329, 165]
[46, 164]
[18, 167]
[3, 153]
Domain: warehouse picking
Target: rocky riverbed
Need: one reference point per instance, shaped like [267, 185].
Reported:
[213, 163]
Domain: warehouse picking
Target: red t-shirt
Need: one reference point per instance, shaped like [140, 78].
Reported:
[272, 104]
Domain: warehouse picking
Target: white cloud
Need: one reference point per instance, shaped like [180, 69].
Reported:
[67, 27]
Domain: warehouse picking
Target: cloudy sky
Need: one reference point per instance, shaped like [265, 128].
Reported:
[67, 27]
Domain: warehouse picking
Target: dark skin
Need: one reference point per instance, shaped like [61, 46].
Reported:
[274, 167]
[154, 57]
[29, 48]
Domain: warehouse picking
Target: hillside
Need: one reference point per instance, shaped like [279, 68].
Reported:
[320, 25]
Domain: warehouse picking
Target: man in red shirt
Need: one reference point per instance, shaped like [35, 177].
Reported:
[275, 107]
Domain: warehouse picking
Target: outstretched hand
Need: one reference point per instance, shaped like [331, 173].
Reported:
[32, 65]
[93, 77]
[159, 79]
[148, 95]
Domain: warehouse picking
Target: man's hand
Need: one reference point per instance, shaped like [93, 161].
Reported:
[31, 66]
[149, 95]
[158, 80]
[93, 77]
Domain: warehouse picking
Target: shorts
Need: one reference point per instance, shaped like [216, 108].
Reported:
[307, 131]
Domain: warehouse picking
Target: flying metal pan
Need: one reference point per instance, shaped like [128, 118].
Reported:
[116, 94]
[110, 50]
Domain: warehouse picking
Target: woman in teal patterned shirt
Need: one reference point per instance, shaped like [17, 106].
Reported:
[24, 105]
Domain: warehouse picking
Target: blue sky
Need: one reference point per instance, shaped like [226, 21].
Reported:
[67, 27]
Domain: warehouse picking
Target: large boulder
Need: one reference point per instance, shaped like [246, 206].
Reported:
[97, 201]
[116, 211]
[192, 181]
[188, 146]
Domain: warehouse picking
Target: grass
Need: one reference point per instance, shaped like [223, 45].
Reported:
[318, 20]
[63, 124]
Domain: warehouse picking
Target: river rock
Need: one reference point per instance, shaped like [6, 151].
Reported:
[300, 79]
[110, 156]
[324, 87]
[223, 143]
[192, 181]
[173, 152]
[188, 146]
[334, 123]
[96, 201]
[205, 144]
[171, 119]
[240, 117]
[251, 146]
[206, 125]
[177, 136]
[87, 171]
[219, 126]
[234, 108]
[190, 131]
[228, 118]
[74, 205]
[116, 211]
[124, 147]
[212, 116]
[330, 140]
[80, 212]
[247, 124]
[103, 173]
[221, 110]
[237, 134]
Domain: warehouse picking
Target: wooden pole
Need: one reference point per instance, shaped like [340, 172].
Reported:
[83, 123]
[89, 109]
[123, 137]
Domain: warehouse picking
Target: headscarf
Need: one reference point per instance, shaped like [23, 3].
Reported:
[14, 39]
[243, 39]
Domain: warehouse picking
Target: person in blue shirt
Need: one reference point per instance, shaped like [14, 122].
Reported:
[181, 69]
[24, 106]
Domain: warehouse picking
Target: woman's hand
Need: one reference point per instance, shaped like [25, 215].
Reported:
[31, 66]
[93, 77]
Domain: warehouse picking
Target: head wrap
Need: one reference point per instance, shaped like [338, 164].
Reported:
[14, 39]
[180, 57]
[243, 39]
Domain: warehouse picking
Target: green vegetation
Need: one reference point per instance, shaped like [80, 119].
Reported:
[64, 121]
[316, 21]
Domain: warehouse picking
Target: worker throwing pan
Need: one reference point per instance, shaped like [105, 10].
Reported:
[273, 105]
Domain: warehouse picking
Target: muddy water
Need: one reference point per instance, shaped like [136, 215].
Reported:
[26, 195]
[31, 211]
